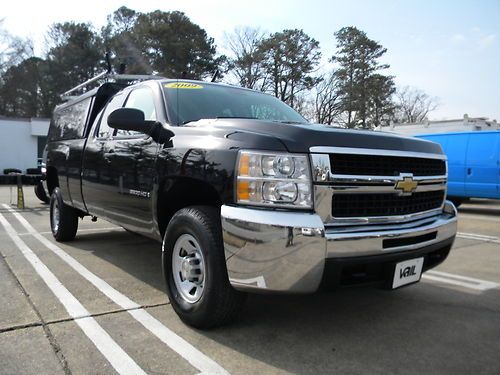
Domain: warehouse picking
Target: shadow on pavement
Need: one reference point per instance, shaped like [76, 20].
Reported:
[136, 255]
[422, 328]
[486, 211]
[418, 329]
[487, 207]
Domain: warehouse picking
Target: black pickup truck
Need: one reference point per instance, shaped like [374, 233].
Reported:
[244, 194]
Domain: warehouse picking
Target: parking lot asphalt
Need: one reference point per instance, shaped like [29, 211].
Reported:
[97, 306]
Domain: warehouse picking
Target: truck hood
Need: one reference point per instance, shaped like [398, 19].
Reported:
[301, 137]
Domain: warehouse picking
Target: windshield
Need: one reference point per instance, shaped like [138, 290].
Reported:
[189, 101]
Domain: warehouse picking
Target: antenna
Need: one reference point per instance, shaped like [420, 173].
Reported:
[108, 62]
[216, 74]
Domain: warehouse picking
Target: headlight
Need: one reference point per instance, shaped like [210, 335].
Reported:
[272, 179]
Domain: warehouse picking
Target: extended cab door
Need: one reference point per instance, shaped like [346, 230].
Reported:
[65, 146]
[75, 155]
[97, 180]
[482, 175]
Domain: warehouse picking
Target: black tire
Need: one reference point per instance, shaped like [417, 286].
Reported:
[12, 170]
[65, 225]
[33, 171]
[41, 193]
[456, 201]
[219, 303]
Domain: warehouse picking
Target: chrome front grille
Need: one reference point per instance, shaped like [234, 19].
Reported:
[373, 204]
[381, 165]
[364, 186]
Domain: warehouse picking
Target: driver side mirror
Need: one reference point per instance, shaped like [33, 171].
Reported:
[133, 119]
[127, 119]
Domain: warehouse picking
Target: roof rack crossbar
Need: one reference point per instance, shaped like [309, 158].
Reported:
[88, 82]
[107, 75]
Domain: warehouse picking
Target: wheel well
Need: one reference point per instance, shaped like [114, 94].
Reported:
[183, 193]
[52, 179]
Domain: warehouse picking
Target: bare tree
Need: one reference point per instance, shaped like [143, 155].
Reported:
[247, 59]
[413, 105]
[305, 106]
[327, 101]
[13, 50]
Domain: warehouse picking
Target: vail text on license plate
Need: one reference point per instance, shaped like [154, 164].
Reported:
[407, 272]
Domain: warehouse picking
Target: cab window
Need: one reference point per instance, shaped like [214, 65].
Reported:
[103, 130]
[141, 98]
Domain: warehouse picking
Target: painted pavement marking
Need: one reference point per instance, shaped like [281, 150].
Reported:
[115, 355]
[196, 358]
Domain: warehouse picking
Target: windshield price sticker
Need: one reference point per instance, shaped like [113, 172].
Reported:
[183, 85]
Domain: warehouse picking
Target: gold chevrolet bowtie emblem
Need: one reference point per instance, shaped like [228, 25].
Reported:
[407, 185]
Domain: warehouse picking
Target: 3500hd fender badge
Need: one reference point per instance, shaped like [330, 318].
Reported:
[138, 193]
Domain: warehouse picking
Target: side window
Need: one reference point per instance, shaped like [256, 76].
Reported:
[69, 122]
[103, 130]
[141, 98]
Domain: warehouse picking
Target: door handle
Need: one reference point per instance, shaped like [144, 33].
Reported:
[469, 171]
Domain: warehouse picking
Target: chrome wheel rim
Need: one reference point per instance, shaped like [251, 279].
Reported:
[55, 217]
[188, 268]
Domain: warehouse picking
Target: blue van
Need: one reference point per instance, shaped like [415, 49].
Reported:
[473, 163]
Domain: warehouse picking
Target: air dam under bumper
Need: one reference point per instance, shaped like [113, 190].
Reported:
[278, 251]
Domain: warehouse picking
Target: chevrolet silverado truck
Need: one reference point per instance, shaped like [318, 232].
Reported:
[244, 194]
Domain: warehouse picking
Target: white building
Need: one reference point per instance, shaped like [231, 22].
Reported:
[464, 124]
[22, 142]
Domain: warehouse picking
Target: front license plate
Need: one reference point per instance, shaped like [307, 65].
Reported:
[407, 272]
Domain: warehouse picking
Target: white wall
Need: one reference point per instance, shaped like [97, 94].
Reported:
[19, 142]
[39, 127]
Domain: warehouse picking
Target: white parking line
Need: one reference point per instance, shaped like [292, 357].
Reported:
[196, 358]
[478, 217]
[479, 237]
[464, 281]
[116, 356]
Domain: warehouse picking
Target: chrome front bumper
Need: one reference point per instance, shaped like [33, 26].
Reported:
[279, 251]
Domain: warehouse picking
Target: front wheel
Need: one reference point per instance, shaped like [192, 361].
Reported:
[63, 218]
[195, 270]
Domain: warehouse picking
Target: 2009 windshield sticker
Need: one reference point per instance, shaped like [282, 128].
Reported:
[182, 85]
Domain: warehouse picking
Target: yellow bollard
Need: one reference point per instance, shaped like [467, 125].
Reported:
[20, 193]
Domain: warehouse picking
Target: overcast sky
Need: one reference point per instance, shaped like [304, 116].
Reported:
[450, 49]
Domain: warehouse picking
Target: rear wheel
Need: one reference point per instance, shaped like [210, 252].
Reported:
[63, 218]
[40, 193]
[195, 269]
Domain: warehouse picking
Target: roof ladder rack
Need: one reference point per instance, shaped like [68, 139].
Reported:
[109, 76]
